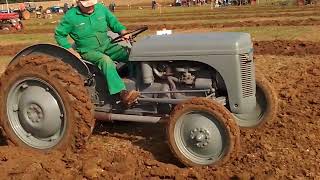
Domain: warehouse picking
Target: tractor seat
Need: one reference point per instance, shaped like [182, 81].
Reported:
[122, 68]
[119, 65]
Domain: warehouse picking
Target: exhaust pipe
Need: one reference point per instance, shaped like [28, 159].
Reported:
[103, 116]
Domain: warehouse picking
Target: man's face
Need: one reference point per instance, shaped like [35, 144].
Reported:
[86, 10]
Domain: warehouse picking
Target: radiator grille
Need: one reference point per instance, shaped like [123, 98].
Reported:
[246, 61]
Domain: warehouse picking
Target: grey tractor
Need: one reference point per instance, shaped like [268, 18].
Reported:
[202, 85]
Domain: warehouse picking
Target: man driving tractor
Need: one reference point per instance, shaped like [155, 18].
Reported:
[87, 24]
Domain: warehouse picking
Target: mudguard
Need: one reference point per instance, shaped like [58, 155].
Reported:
[57, 52]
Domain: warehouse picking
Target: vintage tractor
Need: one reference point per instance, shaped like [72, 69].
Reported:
[202, 85]
[10, 21]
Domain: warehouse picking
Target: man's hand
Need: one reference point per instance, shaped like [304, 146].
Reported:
[126, 37]
[74, 53]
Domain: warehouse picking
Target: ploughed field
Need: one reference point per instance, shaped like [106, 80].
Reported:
[287, 52]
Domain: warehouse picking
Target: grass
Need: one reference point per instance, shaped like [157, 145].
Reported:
[218, 16]
[7, 39]
[270, 33]
[306, 33]
[135, 17]
[177, 11]
[41, 26]
[39, 23]
[175, 20]
[218, 21]
[4, 60]
[282, 32]
[172, 15]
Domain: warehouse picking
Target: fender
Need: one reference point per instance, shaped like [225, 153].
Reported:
[57, 52]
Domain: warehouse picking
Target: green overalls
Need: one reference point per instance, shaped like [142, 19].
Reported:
[89, 33]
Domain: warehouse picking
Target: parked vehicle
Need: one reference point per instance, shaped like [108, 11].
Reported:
[10, 21]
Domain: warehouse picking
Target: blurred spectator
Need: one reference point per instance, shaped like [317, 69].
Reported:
[30, 7]
[112, 6]
[39, 12]
[22, 7]
[153, 4]
[47, 14]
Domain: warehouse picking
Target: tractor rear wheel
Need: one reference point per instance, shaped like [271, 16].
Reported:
[266, 108]
[44, 105]
[202, 132]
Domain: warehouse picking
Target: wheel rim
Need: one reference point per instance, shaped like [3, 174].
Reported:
[200, 137]
[257, 116]
[36, 113]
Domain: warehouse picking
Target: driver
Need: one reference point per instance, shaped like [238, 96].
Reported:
[87, 24]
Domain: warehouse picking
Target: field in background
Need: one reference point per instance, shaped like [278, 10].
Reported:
[263, 23]
[124, 4]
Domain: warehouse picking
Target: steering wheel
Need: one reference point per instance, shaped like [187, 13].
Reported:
[134, 33]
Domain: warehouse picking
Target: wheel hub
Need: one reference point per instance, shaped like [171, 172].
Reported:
[35, 113]
[200, 137]
[38, 111]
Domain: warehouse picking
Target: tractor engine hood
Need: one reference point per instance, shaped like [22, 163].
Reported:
[192, 44]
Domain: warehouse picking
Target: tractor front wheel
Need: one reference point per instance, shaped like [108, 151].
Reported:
[45, 105]
[202, 132]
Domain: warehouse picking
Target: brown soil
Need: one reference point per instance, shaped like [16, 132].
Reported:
[29, 31]
[11, 50]
[283, 47]
[287, 147]
[197, 16]
[242, 10]
[279, 149]
[157, 26]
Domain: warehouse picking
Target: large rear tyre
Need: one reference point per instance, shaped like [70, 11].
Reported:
[44, 105]
[266, 108]
[202, 132]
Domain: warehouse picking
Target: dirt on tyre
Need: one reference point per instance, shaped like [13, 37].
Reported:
[45, 105]
[267, 105]
[203, 132]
